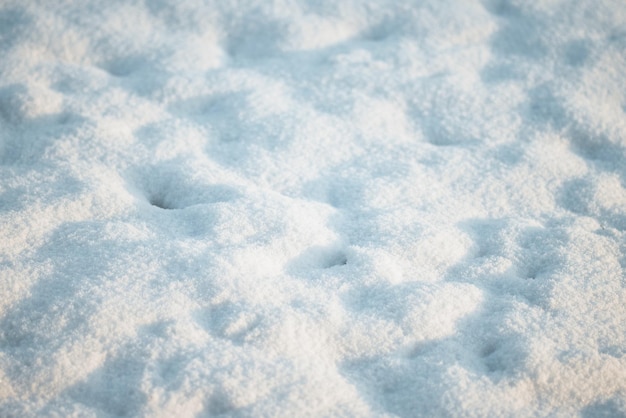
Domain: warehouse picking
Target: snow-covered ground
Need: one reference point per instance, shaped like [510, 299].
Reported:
[313, 208]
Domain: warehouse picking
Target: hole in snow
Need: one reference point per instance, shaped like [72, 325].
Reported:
[159, 201]
[319, 257]
[219, 404]
[175, 186]
[124, 66]
[175, 195]
[335, 259]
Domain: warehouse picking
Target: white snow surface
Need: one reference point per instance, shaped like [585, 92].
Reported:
[319, 208]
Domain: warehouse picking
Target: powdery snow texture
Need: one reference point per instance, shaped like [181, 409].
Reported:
[313, 208]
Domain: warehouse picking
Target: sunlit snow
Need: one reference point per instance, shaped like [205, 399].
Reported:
[293, 208]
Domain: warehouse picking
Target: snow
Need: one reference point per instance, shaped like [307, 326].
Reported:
[313, 208]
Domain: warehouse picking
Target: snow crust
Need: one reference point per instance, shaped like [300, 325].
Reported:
[313, 208]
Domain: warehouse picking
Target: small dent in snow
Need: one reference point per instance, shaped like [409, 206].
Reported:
[318, 257]
[493, 358]
[158, 200]
[166, 187]
[218, 404]
[576, 53]
[229, 321]
[124, 66]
